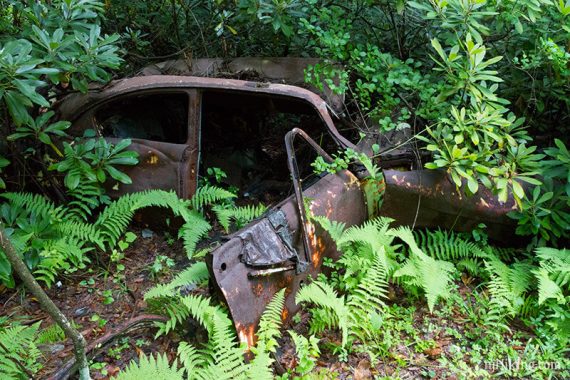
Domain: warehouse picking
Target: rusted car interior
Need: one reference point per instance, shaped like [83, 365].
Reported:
[264, 136]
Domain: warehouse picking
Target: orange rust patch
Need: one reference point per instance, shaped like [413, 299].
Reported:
[257, 289]
[246, 335]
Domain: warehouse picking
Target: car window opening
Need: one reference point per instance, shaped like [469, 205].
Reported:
[156, 117]
[243, 135]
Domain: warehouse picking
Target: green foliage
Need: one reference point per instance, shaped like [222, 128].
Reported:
[48, 49]
[150, 367]
[449, 246]
[52, 44]
[55, 239]
[433, 276]
[92, 160]
[51, 334]
[307, 351]
[18, 348]
[373, 184]
[460, 86]
[3, 163]
[221, 357]
[241, 215]
[546, 213]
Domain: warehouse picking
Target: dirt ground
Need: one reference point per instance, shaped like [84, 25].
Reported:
[100, 300]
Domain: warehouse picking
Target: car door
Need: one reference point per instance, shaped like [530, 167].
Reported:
[250, 137]
[161, 125]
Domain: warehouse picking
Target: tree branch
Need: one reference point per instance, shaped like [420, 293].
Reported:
[46, 303]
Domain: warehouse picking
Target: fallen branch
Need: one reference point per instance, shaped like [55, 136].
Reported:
[94, 348]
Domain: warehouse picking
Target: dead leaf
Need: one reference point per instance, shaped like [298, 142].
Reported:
[433, 353]
[362, 371]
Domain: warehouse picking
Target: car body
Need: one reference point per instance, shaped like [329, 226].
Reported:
[181, 125]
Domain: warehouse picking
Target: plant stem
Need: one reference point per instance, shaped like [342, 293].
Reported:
[46, 303]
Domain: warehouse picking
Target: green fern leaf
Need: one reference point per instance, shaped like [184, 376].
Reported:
[149, 367]
[195, 274]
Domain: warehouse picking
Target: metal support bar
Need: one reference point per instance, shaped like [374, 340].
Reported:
[295, 177]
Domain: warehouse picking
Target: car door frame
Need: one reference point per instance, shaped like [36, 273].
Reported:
[185, 154]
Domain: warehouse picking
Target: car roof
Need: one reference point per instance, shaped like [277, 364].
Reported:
[72, 106]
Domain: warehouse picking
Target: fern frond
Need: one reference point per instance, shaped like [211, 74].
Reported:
[51, 334]
[176, 312]
[242, 215]
[150, 367]
[270, 321]
[86, 197]
[373, 232]
[448, 246]
[434, 276]
[35, 204]
[207, 195]
[228, 357]
[195, 274]
[19, 346]
[60, 255]
[191, 232]
[373, 288]
[547, 288]
[557, 263]
[191, 358]
[324, 296]
[114, 219]
[334, 228]
[84, 232]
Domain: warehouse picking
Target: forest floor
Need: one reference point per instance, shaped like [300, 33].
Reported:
[415, 344]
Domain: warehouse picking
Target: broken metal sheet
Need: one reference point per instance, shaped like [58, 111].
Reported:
[247, 290]
[262, 246]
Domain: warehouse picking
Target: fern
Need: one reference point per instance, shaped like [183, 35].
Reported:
[307, 351]
[433, 276]
[83, 232]
[508, 284]
[351, 314]
[326, 298]
[335, 229]
[51, 334]
[556, 263]
[207, 195]
[447, 246]
[85, 198]
[35, 204]
[222, 357]
[270, 322]
[18, 349]
[58, 256]
[195, 274]
[242, 215]
[191, 232]
[149, 367]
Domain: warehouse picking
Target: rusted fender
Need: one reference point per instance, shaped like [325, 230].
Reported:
[428, 198]
[248, 289]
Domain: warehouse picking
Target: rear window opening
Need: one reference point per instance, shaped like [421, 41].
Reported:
[156, 117]
[244, 135]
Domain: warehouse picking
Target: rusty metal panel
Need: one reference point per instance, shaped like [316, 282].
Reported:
[247, 290]
[161, 166]
[428, 198]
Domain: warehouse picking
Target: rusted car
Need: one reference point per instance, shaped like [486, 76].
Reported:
[264, 136]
